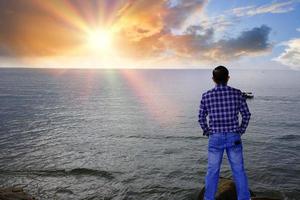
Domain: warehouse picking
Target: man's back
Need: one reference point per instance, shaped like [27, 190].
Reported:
[222, 104]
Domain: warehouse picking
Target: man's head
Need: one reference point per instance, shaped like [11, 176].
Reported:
[220, 75]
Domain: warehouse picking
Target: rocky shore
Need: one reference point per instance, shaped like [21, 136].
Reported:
[227, 191]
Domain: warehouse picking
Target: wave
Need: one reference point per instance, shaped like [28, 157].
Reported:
[164, 137]
[277, 99]
[289, 137]
[61, 172]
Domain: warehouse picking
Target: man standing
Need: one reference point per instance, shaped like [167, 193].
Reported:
[223, 104]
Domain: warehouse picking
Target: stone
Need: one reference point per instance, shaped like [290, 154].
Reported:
[227, 191]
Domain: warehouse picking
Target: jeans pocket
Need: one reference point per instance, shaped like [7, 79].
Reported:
[237, 145]
[214, 142]
[237, 136]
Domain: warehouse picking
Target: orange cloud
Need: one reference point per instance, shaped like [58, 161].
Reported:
[142, 30]
[28, 31]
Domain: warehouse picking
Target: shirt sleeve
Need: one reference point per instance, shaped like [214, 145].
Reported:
[244, 110]
[202, 117]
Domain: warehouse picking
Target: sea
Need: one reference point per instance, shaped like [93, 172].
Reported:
[133, 134]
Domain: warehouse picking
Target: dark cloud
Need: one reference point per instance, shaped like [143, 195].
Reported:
[254, 40]
[198, 43]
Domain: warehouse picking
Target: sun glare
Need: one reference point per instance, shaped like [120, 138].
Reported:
[100, 40]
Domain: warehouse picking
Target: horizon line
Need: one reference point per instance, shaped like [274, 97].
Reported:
[145, 68]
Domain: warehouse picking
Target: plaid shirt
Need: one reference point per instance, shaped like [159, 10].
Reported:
[223, 104]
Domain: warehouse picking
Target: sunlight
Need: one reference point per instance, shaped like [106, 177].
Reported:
[100, 40]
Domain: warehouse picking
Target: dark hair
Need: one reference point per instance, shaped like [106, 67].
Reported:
[220, 75]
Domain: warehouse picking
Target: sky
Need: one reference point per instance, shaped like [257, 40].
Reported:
[253, 34]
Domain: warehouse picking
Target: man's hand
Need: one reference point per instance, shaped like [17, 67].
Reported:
[206, 134]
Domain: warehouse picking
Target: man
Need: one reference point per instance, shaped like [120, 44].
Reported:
[223, 104]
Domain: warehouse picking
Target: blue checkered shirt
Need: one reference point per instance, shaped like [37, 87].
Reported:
[223, 104]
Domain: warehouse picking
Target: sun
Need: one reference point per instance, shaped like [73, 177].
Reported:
[100, 40]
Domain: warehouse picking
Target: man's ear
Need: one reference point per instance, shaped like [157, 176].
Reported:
[228, 78]
[213, 79]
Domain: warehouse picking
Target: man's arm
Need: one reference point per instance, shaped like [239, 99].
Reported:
[202, 117]
[244, 110]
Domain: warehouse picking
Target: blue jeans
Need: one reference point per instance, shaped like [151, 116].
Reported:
[232, 143]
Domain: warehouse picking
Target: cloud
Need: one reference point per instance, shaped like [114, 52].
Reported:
[275, 7]
[143, 30]
[298, 29]
[220, 22]
[179, 12]
[42, 28]
[197, 45]
[252, 41]
[291, 54]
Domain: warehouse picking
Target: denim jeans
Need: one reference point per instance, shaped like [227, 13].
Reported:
[232, 143]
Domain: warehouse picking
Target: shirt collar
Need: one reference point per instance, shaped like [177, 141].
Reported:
[221, 86]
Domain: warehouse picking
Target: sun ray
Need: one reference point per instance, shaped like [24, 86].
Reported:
[163, 110]
[64, 12]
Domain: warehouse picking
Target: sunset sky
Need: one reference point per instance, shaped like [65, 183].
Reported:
[150, 33]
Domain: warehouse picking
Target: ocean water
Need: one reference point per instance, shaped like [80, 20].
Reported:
[133, 134]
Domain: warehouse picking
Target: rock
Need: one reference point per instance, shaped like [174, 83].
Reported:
[227, 191]
[262, 198]
[14, 193]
